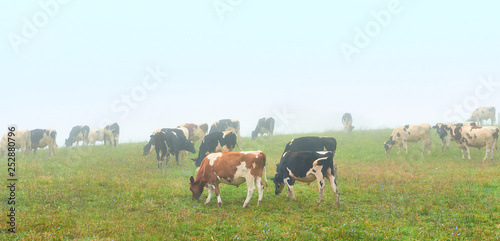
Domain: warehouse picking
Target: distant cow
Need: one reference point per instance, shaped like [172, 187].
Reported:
[215, 142]
[22, 140]
[196, 132]
[409, 133]
[306, 166]
[41, 138]
[170, 141]
[226, 125]
[476, 136]
[78, 133]
[445, 132]
[264, 126]
[484, 113]
[347, 122]
[96, 135]
[112, 134]
[233, 168]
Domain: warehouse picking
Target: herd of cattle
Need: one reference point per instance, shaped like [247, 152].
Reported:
[305, 159]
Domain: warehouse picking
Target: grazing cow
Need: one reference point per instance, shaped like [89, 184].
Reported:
[233, 168]
[410, 133]
[196, 132]
[112, 134]
[306, 166]
[476, 136]
[347, 122]
[215, 142]
[169, 141]
[41, 138]
[226, 125]
[445, 132]
[150, 146]
[484, 113]
[78, 133]
[22, 141]
[96, 135]
[264, 126]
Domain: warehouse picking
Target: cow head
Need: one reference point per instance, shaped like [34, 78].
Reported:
[146, 149]
[254, 135]
[189, 146]
[278, 181]
[389, 144]
[442, 130]
[196, 188]
[68, 142]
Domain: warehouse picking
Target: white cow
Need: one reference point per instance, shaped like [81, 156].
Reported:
[476, 136]
[410, 133]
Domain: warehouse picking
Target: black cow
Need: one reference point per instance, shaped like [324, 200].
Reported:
[78, 133]
[264, 126]
[306, 166]
[41, 138]
[169, 141]
[215, 142]
[112, 134]
[312, 143]
[226, 125]
[347, 122]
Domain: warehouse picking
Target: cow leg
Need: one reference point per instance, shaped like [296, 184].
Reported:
[177, 158]
[399, 149]
[468, 151]
[217, 193]
[405, 145]
[290, 189]
[260, 188]
[158, 159]
[250, 188]
[321, 185]
[210, 190]
[333, 184]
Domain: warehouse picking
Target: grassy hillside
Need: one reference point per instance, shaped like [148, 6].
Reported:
[104, 193]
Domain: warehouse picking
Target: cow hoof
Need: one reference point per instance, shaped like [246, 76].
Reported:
[260, 203]
[220, 204]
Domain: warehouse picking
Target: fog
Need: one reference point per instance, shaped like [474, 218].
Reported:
[152, 64]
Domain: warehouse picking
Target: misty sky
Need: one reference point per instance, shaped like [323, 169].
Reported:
[152, 64]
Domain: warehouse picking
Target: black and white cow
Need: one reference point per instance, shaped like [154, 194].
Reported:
[264, 126]
[483, 114]
[96, 135]
[215, 142]
[112, 134]
[78, 133]
[41, 138]
[226, 125]
[306, 166]
[347, 122]
[169, 141]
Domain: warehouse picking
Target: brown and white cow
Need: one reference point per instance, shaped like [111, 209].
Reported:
[233, 168]
[41, 138]
[196, 132]
[22, 140]
[476, 136]
[347, 122]
[483, 113]
[410, 133]
[446, 134]
[96, 135]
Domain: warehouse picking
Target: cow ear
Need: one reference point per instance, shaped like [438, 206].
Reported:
[191, 179]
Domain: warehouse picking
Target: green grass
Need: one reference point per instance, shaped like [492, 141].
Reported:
[103, 193]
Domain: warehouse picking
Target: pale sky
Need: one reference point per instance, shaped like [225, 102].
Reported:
[153, 64]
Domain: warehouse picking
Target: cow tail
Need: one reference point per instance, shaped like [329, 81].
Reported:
[240, 147]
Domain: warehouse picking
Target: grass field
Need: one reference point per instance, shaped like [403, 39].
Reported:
[101, 193]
